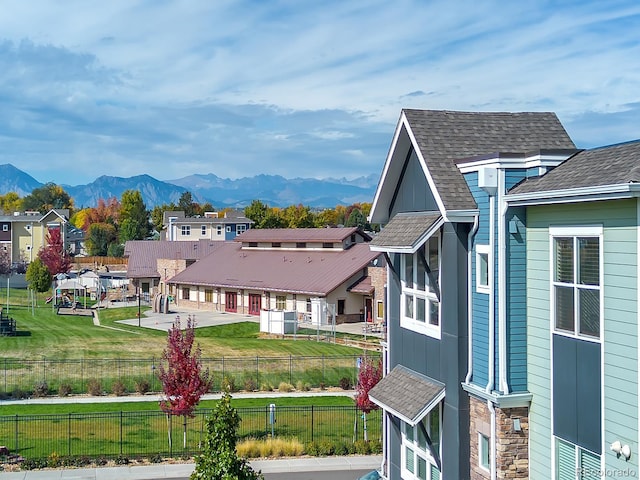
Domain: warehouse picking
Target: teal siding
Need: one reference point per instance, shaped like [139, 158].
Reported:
[513, 176]
[620, 326]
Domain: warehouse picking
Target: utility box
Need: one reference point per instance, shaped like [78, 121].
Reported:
[488, 179]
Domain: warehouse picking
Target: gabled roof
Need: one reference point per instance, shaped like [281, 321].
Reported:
[143, 254]
[285, 235]
[406, 232]
[596, 172]
[442, 137]
[297, 271]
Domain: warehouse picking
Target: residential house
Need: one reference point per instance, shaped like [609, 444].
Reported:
[23, 234]
[455, 360]
[211, 226]
[582, 269]
[288, 270]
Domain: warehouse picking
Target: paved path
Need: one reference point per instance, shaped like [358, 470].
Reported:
[183, 470]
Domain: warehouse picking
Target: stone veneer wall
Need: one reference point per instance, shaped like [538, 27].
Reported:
[512, 448]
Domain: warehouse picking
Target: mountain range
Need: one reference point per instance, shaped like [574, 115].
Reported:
[273, 190]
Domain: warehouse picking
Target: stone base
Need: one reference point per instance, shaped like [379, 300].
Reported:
[512, 447]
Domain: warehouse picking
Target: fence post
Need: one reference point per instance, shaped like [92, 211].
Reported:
[5, 375]
[323, 380]
[222, 379]
[121, 437]
[17, 443]
[257, 371]
[69, 434]
[290, 369]
[312, 423]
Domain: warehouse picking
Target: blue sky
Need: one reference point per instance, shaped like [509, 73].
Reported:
[295, 88]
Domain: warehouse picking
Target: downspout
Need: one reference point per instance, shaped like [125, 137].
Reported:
[492, 460]
[472, 234]
[492, 327]
[502, 287]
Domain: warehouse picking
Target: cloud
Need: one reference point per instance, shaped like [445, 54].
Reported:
[235, 88]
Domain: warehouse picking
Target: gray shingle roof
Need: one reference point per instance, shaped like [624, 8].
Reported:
[444, 136]
[405, 230]
[407, 394]
[611, 165]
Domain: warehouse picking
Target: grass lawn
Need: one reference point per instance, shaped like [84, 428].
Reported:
[46, 334]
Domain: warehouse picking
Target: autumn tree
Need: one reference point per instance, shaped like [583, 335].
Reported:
[368, 377]
[183, 379]
[54, 255]
[219, 459]
[10, 202]
[47, 197]
[134, 217]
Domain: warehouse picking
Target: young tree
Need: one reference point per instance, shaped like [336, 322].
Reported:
[219, 460]
[99, 236]
[5, 262]
[369, 375]
[38, 276]
[183, 380]
[257, 212]
[186, 204]
[10, 202]
[55, 255]
[47, 197]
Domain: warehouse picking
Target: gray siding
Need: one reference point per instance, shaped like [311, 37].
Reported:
[413, 193]
[620, 329]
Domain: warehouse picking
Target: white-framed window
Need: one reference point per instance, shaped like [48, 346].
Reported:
[576, 269]
[484, 452]
[482, 268]
[28, 227]
[573, 462]
[5, 228]
[219, 229]
[380, 309]
[240, 229]
[228, 228]
[281, 302]
[420, 304]
[185, 230]
[417, 460]
[28, 248]
[203, 230]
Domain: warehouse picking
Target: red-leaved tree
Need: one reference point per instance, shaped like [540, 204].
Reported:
[54, 255]
[369, 375]
[183, 379]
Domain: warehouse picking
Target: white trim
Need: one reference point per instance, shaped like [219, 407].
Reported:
[637, 309]
[430, 232]
[482, 250]
[492, 340]
[470, 239]
[503, 384]
[518, 161]
[481, 452]
[604, 192]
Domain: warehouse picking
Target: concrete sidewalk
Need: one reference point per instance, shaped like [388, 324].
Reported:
[183, 470]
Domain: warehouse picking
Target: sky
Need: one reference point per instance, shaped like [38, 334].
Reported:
[294, 88]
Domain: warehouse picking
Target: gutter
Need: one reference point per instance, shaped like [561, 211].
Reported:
[492, 294]
[502, 288]
[600, 192]
[472, 235]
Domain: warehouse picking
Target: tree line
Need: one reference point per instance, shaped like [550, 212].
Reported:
[113, 221]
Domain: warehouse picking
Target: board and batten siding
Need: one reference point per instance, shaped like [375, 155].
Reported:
[620, 326]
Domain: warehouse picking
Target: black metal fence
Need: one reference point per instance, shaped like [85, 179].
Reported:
[146, 433]
[24, 377]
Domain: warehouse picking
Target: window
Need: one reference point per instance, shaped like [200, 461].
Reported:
[185, 230]
[240, 229]
[276, 244]
[575, 462]
[380, 313]
[281, 302]
[185, 293]
[576, 281]
[327, 245]
[219, 229]
[341, 306]
[301, 245]
[208, 296]
[308, 305]
[417, 458]
[5, 228]
[420, 278]
[482, 268]
[228, 228]
[484, 452]
[203, 230]
[253, 244]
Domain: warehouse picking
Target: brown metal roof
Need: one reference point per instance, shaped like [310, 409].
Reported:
[308, 272]
[143, 254]
[299, 234]
[362, 286]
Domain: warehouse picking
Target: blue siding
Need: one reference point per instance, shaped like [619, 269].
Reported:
[516, 304]
[480, 333]
[514, 176]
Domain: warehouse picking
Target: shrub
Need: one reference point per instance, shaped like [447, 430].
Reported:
[142, 386]
[325, 448]
[345, 383]
[285, 387]
[54, 461]
[64, 389]
[41, 389]
[341, 449]
[94, 387]
[121, 460]
[101, 461]
[311, 449]
[250, 384]
[157, 458]
[19, 394]
[249, 448]
[266, 387]
[228, 384]
[118, 388]
[375, 447]
[362, 447]
[323, 386]
[302, 387]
